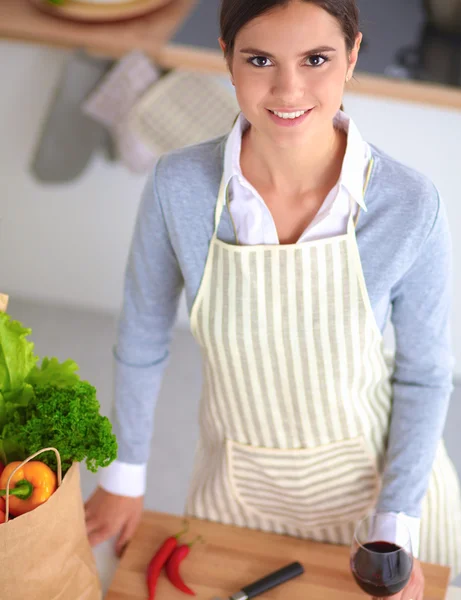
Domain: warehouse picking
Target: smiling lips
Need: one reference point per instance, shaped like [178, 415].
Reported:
[288, 115]
[289, 118]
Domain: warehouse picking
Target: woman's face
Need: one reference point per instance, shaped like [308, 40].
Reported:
[290, 60]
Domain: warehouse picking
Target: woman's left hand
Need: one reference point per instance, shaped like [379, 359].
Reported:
[415, 587]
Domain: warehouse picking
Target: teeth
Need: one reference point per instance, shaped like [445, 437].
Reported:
[293, 115]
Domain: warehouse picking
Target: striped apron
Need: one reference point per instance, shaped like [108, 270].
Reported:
[296, 398]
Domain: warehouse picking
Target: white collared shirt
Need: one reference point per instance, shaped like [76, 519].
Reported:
[252, 218]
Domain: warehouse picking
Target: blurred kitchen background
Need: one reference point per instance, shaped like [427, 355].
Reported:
[78, 136]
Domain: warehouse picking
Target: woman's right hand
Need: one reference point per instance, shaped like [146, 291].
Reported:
[108, 515]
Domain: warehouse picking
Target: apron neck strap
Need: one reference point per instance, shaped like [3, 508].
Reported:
[219, 205]
[352, 223]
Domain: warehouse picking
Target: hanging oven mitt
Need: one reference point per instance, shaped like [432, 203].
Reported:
[69, 138]
[111, 101]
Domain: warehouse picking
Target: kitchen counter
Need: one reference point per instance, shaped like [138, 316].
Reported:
[227, 548]
[107, 565]
[394, 30]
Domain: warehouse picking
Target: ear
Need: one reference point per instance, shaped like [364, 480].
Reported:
[354, 55]
[224, 48]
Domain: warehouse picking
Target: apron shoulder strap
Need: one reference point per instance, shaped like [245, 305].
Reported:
[352, 223]
[219, 205]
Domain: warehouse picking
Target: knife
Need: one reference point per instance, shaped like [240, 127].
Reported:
[267, 583]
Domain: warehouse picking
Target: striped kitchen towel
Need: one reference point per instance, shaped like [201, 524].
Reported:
[184, 108]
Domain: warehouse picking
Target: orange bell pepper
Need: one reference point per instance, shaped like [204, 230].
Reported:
[30, 486]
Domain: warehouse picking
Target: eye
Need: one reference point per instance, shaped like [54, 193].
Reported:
[260, 61]
[317, 60]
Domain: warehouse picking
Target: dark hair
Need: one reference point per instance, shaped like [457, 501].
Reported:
[235, 14]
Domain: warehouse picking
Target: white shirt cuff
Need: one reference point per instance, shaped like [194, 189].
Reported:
[387, 530]
[124, 479]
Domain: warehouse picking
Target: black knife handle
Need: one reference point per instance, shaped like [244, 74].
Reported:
[274, 579]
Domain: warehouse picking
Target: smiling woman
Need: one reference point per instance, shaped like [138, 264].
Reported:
[289, 62]
[295, 239]
[323, 68]
[235, 15]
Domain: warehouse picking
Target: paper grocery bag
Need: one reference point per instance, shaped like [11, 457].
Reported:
[45, 554]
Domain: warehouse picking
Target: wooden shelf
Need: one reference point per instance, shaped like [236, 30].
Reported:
[21, 21]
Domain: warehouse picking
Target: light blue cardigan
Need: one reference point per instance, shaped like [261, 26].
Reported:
[405, 249]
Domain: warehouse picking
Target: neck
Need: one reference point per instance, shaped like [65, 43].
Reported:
[315, 165]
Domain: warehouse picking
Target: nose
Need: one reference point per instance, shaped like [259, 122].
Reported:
[288, 85]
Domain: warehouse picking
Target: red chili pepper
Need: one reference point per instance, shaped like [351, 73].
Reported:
[159, 559]
[173, 564]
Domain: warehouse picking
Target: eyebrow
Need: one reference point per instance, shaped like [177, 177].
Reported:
[318, 50]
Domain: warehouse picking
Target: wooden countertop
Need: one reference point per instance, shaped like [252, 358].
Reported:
[233, 557]
[21, 21]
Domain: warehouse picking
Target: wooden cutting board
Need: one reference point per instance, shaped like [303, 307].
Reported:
[232, 557]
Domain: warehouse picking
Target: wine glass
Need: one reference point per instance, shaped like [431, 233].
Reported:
[381, 567]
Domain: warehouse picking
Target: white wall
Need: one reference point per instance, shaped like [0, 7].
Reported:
[64, 243]
[69, 243]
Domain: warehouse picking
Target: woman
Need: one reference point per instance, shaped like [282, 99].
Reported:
[295, 240]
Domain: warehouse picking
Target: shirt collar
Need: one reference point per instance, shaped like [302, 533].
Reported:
[357, 150]
[357, 154]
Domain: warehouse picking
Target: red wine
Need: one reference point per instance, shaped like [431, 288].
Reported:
[381, 569]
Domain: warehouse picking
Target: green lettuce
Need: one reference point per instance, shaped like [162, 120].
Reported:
[17, 360]
[51, 371]
[16, 354]
[48, 405]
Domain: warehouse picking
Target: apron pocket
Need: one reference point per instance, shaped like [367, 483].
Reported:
[308, 488]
